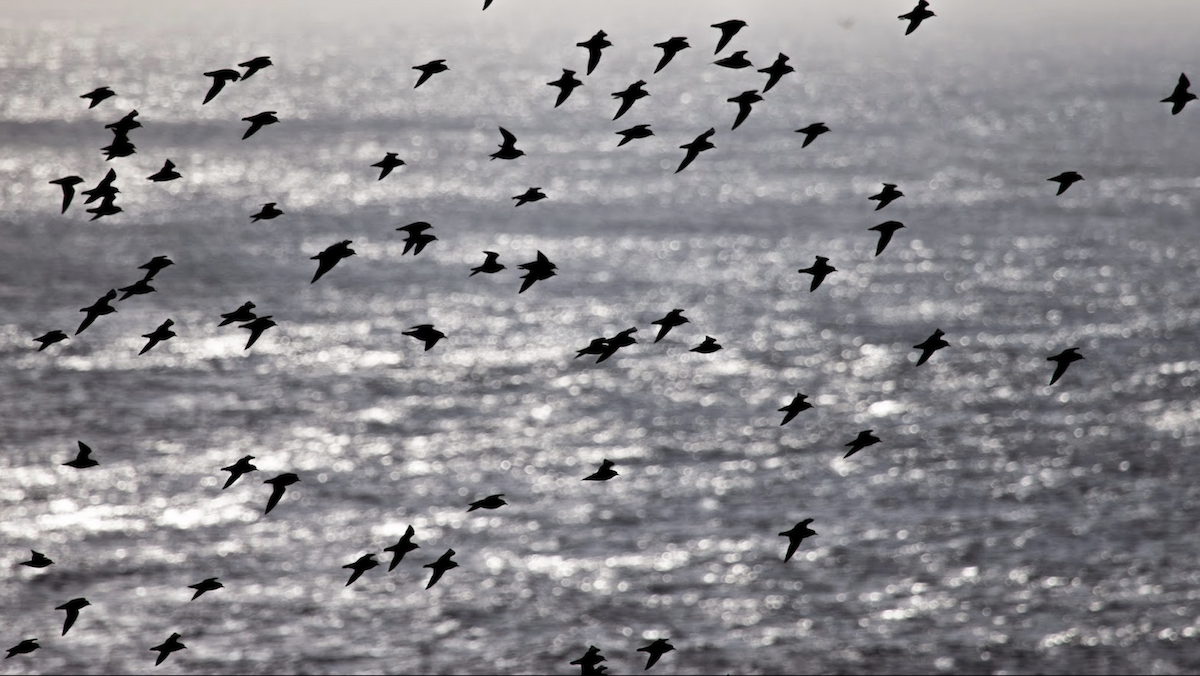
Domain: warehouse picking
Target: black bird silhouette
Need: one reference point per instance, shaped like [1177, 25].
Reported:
[163, 332]
[107, 208]
[426, 333]
[1065, 180]
[245, 313]
[220, 77]
[508, 149]
[279, 485]
[791, 410]
[363, 564]
[67, 183]
[154, 265]
[744, 101]
[670, 49]
[206, 585]
[330, 257]
[738, 60]
[728, 30]
[864, 439]
[587, 663]
[566, 84]
[636, 131]
[811, 132]
[885, 230]
[387, 164]
[699, 145]
[886, 196]
[267, 212]
[630, 94]
[1180, 97]
[237, 469]
[795, 536]
[126, 124]
[916, 16]
[669, 321]
[72, 607]
[489, 266]
[121, 146]
[776, 71]
[167, 647]
[83, 459]
[490, 502]
[536, 270]
[139, 287]
[443, 564]
[605, 472]
[404, 546]
[594, 44]
[1062, 360]
[531, 195]
[256, 328]
[597, 346]
[254, 65]
[709, 346]
[623, 339]
[430, 69]
[819, 270]
[38, 560]
[100, 307]
[103, 189]
[27, 646]
[49, 338]
[656, 650]
[258, 121]
[167, 173]
[97, 95]
[487, 3]
[415, 236]
[930, 345]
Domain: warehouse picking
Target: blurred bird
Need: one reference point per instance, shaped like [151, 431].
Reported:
[1062, 360]
[636, 131]
[126, 124]
[594, 44]
[72, 607]
[100, 307]
[97, 95]
[795, 536]
[728, 30]
[104, 188]
[566, 84]
[536, 271]
[669, 321]
[258, 121]
[67, 183]
[531, 195]
[256, 328]
[139, 287]
[930, 345]
[487, 3]
[811, 132]
[245, 313]
[1178, 98]
[205, 585]
[744, 101]
[629, 95]
[864, 439]
[430, 69]
[709, 346]
[267, 212]
[237, 469]
[387, 164]
[597, 346]
[587, 663]
[738, 60]
[605, 472]
[330, 257]
[404, 546]
[363, 564]
[254, 65]
[623, 339]
[163, 332]
[27, 646]
[657, 649]
[490, 502]
[670, 49]
[489, 266]
[886, 196]
[167, 173]
[220, 77]
[443, 564]
[154, 265]
[49, 338]
[121, 146]
[699, 145]
[279, 485]
[820, 269]
[167, 647]
[885, 230]
[83, 459]
[426, 333]
[415, 236]
[776, 71]
[797, 405]
[916, 16]
[1065, 180]
[37, 560]
[508, 149]
[107, 208]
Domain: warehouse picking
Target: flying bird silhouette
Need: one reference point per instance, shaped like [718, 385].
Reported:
[167, 173]
[37, 560]
[820, 269]
[587, 663]
[776, 70]
[426, 333]
[100, 307]
[83, 459]
[97, 95]
[1178, 98]
[141, 286]
[636, 131]
[330, 257]
[363, 564]
[404, 546]
[107, 208]
[489, 266]
[266, 213]
[657, 649]
[699, 145]
[531, 195]
[258, 121]
[864, 439]
[508, 149]
[256, 328]
[245, 313]
[744, 101]
[709, 346]
[597, 346]
[430, 69]
[443, 564]
[670, 49]
[566, 84]
[885, 230]
[154, 265]
[387, 164]
[728, 30]
[205, 585]
[163, 332]
[594, 44]
[49, 338]
[254, 65]
[797, 405]
[103, 189]
[669, 321]
[167, 647]
[126, 124]
[536, 271]
[67, 183]
[237, 469]
[795, 536]
[738, 60]
[1062, 360]
[72, 607]
[886, 196]
[415, 236]
[220, 78]
[629, 95]
[916, 16]
[490, 502]
[487, 3]
[623, 339]
[1065, 180]
[930, 345]
[811, 132]
[27, 646]
[605, 472]
[121, 146]
[279, 485]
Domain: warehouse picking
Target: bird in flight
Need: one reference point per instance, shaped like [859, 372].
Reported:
[490, 502]
[258, 121]
[415, 237]
[669, 321]
[1065, 180]
[795, 536]
[811, 132]
[709, 346]
[363, 564]
[629, 95]
[167, 647]
[587, 663]
[797, 405]
[154, 265]
[885, 231]
[72, 607]
[205, 585]
[237, 469]
[163, 332]
[141, 286]
[605, 472]
[916, 16]
[864, 439]
[404, 546]
[670, 49]
[744, 101]
[83, 459]
[886, 196]
[776, 71]
[1062, 360]
[254, 65]
[699, 145]
[387, 164]
[67, 183]
[27, 646]
[531, 195]
[489, 266]
[508, 149]
[100, 307]
[330, 257]
[267, 212]
[37, 560]
[256, 328]
[930, 345]
[107, 208]
[597, 346]
[97, 95]
[167, 173]
[49, 338]
[430, 69]
[657, 649]
[220, 77]
[594, 44]
[1178, 98]
[611, 345]
[820, 269]
[728, 30]
[566, 84]
[536, 270]
[738, 60]
[245, 313]
[103, 189]
[121, 146]
[636, 131]
[443, 564]
[279, 485]
[426, 333]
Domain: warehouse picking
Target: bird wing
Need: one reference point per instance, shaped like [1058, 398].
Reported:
[509, 139]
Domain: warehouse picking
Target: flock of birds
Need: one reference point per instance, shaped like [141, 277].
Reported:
[417, 237]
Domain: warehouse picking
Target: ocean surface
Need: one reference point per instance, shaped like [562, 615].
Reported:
[1001, 526]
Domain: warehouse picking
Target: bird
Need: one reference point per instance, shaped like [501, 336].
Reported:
[916, 16]
[738, 60]
[363, 564]
[587, 663]
[670, 49]
[728, 30]
[536, 270]
[430, 69]
[267, 212]
[121, 146]
[205, 585]
[83, 459]
[107, 208]
[669, 321]
[279, 485]
[237, 469]
[508, 149]
[597, 346]
[100, 307]
[709, 346]
[67, 183]
[594, 44]
[49, 338]
[636, 131]
[864, 439]
[163, 332]
[885, 230]
[27, 646]
[167, 173]
[97, 95]
[1065, 180]
[330, 257]
[629, 95]
[415, 236]
[258, 121]
[744, 101]
[886, 196]
[605, 472]
[104, 188]
[699, 145]
[141, 286]
[245, 313]
[254, 65]
[72, 607]
[657, 649]
[37, 560]
[487, 3]
[489, 266]
[930, 345]
[776, 71]
[154, 265]
[811, 132]
[402, 547]
[622, 339]
[531, 195]
[819, 270]
[566, 84]
[167, 647]
[1062, 360]
[256, 328]
[1180, 97]
[443, 564]
[426, 333]
[490, 502]
[795, 536]
[387, 164]
[220, 77]
[126, 124]
[797, 405]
